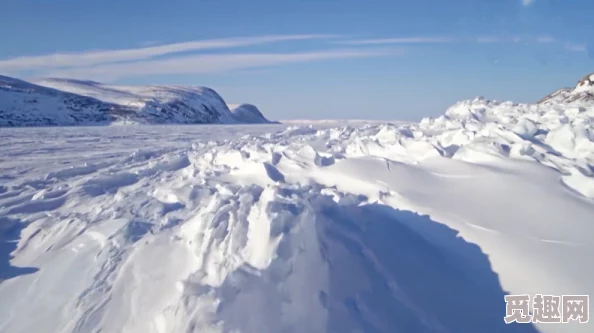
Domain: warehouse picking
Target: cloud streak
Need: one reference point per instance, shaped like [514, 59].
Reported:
[573, 47]
[200, 64]
[112, 65]
[527, 2]
[446, 40]
[92, 58]
[405, 40]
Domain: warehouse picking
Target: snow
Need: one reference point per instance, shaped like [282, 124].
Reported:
[327, 227]
[247, 114]
[66, 102]
[146, 99]
[581, 94]
[336, 122]
[26, 104]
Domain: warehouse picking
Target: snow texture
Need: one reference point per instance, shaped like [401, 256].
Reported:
[420, 227]
[65, 102]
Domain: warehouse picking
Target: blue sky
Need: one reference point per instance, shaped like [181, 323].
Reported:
[386, 59]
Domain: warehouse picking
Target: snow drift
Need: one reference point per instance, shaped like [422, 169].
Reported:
[419, 227]
[68, 102]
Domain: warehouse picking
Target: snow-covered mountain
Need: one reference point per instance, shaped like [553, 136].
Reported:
[582, 93]
[247, 113]
[48, 102]
[26, 104]
[406, 227]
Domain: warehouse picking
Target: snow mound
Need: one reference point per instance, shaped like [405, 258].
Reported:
[247, 114]
[353, 228]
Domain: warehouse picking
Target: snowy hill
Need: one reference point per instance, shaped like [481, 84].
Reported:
[26, 104]
[410, 227]
[248, 114]
[582, 93]
[154, 104]
[49, 102]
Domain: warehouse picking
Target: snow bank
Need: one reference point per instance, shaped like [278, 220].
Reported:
[357, 228]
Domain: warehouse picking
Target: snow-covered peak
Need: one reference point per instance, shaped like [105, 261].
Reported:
[582, 93]
[586, 84]
[247, 113]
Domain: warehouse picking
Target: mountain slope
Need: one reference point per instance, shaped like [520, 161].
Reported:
[64, 102]
[582, 93]
[247, 113]
[26, 104]
[153, 104]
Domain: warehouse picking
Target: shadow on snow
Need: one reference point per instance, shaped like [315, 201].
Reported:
[10, 231]
[397, 271]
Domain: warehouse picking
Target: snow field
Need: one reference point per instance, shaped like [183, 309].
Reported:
[357, 228]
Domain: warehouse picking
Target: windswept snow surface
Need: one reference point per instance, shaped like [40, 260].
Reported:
[358, 228]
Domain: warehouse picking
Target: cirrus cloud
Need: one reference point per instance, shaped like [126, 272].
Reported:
[527, 2]
[91, 58]
[211, 63]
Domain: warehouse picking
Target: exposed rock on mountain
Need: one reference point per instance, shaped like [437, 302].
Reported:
[582, 93]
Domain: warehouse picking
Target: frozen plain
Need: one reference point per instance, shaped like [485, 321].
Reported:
[347, 227]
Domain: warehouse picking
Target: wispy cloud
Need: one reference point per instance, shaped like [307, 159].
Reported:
[546, 39]
[401, 40]
[446, 40]
[109, 65]
[211, 63]
[573, 47]
[527, 2]
[420, 40]
[488, 39]
[92, 58]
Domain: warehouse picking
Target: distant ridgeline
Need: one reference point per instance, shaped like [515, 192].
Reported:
[63, 102]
